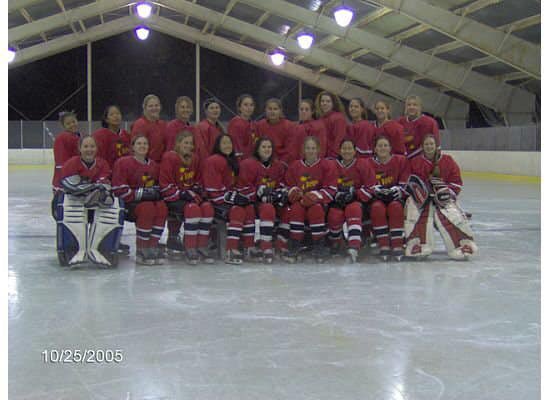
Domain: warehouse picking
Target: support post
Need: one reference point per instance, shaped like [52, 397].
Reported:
[299, 92]
[89, 85]
[21, 133]
[197, 82]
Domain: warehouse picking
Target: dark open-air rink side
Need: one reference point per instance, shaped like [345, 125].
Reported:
[431, 330]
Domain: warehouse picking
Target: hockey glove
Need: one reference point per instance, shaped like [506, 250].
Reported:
[264, 194]
[444, 196]
[396, 193]
[147, 194]
[295, 194]
[343, 198]
[190, 196]
[279, 197]
[418, 190]
[311, 198]
[235, 198]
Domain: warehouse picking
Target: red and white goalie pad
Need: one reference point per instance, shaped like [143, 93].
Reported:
[418, 228]
[456, 231]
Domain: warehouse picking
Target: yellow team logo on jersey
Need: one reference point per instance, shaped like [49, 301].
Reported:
[383, 179]
[121, 149]
[267, 181]
[307, 182]
[186, 175]
[147, 180]
[345, 182]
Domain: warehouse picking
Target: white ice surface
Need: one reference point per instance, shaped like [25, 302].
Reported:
[432, 330]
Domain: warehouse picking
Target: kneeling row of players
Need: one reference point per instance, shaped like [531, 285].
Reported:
[325, 194]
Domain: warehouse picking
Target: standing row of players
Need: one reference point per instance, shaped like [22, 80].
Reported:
[322, 172]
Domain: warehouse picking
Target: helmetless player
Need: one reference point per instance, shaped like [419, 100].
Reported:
[417, 125]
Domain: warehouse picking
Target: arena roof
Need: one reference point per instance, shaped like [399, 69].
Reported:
[447, 51]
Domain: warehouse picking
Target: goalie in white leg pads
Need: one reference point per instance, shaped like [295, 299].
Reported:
[434, 185]
[89, 218]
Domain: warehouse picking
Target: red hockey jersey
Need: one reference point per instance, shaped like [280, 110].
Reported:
[218, 178]
[449, 171]
[111, 146]
[415, 130]
[176, 126]
[358, 174]
[209, 133]
[98, 172]
[65, 146]
[253, 173]
[361, 134]
[243, 134]
[175, 176]
[393, 172]
[394, 131]
[155, 132]
[280, 133]
[336, 126]
[130, 174]
[304, 129]
[320, 176]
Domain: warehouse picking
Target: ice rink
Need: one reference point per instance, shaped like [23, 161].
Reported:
[411, 331]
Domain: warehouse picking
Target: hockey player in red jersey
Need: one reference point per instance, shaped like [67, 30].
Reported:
[434, 186]
[416, 125]
[360, 131]
[210, 127]
[220, 172]
[65, 144]
[307, 126]
[181, 189]
[184, 110]
[135, 181]
[85, 183]
[112, 141]
[330, 110]
[355, 179]
[261, 180]
[386, 209]
[152, 127]
[279, 129]
[311, 186]
[242, 129]
[385, 126]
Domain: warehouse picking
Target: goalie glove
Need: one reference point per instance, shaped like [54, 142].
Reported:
[295, 195]
[311, 198]
[443, 196]
[418, 190]
[437, 183]
[147, 194]
[235, 198]
[77, 186]
[190, 196]
[98, 198]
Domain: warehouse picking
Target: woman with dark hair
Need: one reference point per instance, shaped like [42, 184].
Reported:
[330, 110]
[312, 186]
[152, 127]
[355, 180]
[360, 131]
[210, 127]
[65, 144]
[386, 209]
[279, 129]
[180, 186]
[385, 126]
[112, 141]
[434, 189]
[242, 129]
[307, 126]
[261, 180]
[135, 181]
[220, 172]
[183, 111]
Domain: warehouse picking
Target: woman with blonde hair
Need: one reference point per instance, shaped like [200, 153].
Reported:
[152, 127]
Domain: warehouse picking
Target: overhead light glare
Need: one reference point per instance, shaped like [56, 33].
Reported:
[343, 15]
[11, 54]
[277, 57]
[305, 40]
[144, 10]
[142, 32]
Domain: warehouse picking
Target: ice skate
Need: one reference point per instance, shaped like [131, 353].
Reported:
[233, 257]
[193, 257]
[145, 256]
[205, 255]
[352, 255]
